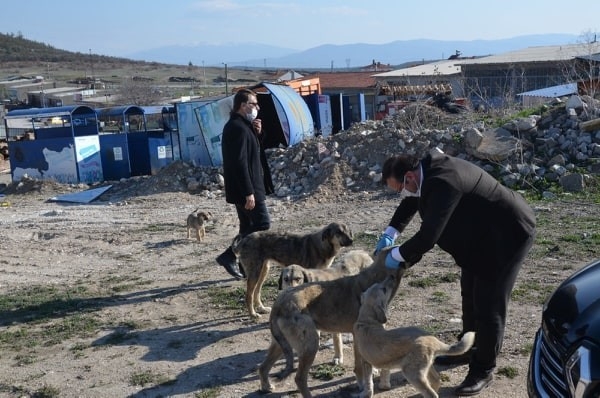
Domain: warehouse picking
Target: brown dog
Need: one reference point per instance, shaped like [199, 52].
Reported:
[411, 349]
[195, 221]
[351, 263]
[329, 306]
[256, 250]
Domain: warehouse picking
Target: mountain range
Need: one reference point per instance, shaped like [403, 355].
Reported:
[345, 56]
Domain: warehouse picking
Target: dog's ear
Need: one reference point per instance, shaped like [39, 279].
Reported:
[380, 313]
[280, 281]
[327, 233]
[306, 277]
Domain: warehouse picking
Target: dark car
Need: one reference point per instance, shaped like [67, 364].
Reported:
[565, 361]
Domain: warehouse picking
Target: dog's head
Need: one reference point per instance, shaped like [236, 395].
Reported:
[354, 261]
[377, 297]
[339, 235]
[292, 276]
[204, 215]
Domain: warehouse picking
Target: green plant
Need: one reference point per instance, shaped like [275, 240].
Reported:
[25, 359]
[227, 298]
[144, 378]
[46, 392]
[327, 371]
[526, 349]
[434, 280]
[508, 371]
[439, 297]
[365, 239]
[212, 392]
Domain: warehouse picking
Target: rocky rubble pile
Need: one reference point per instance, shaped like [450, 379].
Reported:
[559, 145]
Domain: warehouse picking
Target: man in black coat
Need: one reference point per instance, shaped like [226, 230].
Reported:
[487, 228]
[246, 172]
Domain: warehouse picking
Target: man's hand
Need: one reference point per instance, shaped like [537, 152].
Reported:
[257, 125]
[392, 263]
[250, 202]
[384, 241]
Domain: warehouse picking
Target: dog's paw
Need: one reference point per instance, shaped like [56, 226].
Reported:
[384, 380]
[362, 394]
[384, 385]
[266, 388]
[263, 310]
[338, 361]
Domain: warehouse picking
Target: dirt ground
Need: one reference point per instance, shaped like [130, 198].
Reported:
[166, 321]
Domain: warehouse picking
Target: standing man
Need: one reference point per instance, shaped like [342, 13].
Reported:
[487, 228]
[246, 172]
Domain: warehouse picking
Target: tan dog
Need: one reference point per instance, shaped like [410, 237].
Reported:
[409, 348]
[195, 221]
[351, 264]
[256, 250]
[329, 306]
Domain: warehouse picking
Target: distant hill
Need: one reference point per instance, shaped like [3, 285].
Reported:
[16, 48]
[343, 56]
[213, 55]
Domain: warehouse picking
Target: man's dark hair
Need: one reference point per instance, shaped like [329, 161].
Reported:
[240, 97]
[397, 166]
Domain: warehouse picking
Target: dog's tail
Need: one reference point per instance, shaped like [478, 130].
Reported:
[459, 347]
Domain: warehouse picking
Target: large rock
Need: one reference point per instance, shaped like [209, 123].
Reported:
[496, 145]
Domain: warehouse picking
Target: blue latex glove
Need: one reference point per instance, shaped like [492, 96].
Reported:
[391, 262]
[383, 242]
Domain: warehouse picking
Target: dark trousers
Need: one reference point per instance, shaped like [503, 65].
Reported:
[253, 220]
[484, 305]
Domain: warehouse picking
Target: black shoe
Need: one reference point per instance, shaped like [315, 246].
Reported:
[462, 359]
[474, 384]
[228, 261]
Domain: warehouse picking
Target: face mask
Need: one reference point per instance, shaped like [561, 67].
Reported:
[252, 115]
[405, 193]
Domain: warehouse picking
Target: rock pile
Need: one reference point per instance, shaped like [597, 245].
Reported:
[559, 145]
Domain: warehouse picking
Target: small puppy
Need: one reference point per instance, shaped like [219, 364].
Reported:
[195, 221]
[350, 264]
[409, 348]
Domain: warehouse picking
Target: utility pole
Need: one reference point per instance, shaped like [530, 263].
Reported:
[226, 80]
[92, 68]
[203, 75]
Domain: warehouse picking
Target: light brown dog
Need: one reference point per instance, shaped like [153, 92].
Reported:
[409, 348]
[195, 221]
[351, 263]
[329, 306]
[314, 250]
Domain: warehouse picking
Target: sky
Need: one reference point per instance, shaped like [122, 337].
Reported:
[122, 27]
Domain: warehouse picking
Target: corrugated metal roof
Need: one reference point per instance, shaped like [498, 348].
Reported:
[350, 80]
[537, 54]
[442, 68]
[554, 91]
[593, 57]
